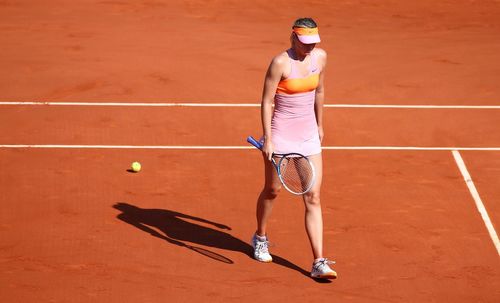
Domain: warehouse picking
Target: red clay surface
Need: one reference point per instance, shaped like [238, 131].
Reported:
[403, 232]
[76, 226]
[390, 51]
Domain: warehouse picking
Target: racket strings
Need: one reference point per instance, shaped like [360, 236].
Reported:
[296, 173]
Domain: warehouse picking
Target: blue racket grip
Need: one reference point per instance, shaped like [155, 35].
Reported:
[254, 142]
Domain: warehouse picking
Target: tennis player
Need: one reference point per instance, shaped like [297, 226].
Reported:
[294, 83]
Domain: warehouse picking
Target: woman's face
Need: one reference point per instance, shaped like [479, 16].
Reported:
[301, 48]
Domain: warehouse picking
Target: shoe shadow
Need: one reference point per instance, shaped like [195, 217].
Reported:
[176, 228]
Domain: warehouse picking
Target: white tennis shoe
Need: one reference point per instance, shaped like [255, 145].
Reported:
[322, 270]
[261, 249]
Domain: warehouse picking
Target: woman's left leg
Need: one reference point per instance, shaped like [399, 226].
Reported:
[314, 224]
[313, 214]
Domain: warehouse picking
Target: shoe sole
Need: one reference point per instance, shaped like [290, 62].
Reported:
[264, 261]
[329, 277]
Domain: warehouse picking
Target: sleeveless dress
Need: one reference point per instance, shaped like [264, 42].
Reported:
[293, 125]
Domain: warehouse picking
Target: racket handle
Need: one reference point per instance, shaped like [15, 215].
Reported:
[254, 142]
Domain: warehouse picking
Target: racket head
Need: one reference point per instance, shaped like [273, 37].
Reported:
[296, 172]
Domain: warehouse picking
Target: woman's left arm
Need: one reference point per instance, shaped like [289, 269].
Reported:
[320, 94]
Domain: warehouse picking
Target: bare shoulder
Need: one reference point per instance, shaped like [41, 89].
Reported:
[278, 65]
[321, 53]
[280, 60]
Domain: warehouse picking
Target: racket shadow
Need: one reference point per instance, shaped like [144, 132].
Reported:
[178, 229]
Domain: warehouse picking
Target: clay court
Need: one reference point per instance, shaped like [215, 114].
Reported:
[411, 152]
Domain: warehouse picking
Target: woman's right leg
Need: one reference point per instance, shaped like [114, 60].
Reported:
[265, 202]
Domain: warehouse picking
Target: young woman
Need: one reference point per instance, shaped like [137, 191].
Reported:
[294, 83]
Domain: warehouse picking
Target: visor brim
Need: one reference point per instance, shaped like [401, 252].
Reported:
[309, 39]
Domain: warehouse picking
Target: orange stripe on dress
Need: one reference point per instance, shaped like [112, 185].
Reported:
[298, 85]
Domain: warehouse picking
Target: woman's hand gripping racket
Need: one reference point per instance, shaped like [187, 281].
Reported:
[295, 171]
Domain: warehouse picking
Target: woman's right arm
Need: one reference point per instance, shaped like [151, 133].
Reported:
[273, 77]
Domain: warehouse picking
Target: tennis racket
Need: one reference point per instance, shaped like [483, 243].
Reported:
[295, 171]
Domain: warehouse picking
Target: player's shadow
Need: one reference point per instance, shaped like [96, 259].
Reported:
[177, 228]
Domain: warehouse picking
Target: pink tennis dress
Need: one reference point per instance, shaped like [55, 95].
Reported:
[293, 125]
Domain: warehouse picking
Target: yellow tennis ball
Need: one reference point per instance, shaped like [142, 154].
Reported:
[136, 166]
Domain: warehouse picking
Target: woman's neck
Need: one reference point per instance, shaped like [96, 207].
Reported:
[296, 56]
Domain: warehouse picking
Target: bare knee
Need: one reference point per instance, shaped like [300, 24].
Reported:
[271, 192]
[312, 199]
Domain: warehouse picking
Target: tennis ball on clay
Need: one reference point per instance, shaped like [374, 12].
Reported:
[136, 166]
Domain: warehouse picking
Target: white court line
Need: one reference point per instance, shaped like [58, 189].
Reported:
[135, 104]
[477, 200]
[122, 146]
[207, 147]
[414, 106]
[409, 148]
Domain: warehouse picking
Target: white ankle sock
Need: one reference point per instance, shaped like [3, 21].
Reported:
[261, 238]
